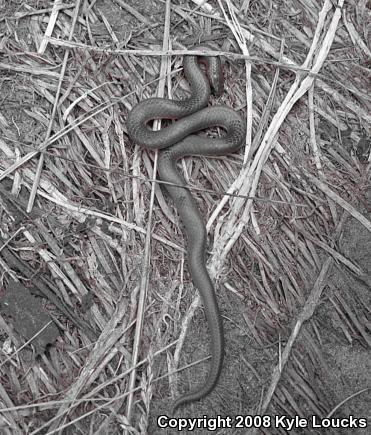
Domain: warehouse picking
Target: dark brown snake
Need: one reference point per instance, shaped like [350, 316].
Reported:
[176, 141]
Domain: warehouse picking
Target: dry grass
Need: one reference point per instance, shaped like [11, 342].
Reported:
[102, 228]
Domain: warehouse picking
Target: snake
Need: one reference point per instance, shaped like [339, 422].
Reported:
[179, 139]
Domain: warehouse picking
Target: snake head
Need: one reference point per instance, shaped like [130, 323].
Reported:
[213, 65]
[216, 78]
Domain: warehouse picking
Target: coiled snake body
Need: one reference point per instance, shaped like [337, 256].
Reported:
[176, 141]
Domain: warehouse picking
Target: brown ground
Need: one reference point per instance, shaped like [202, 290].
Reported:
[294, 286]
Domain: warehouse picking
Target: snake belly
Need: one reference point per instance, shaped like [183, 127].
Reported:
[174, 142]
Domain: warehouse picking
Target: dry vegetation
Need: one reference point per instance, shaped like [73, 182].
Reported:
[86, 228]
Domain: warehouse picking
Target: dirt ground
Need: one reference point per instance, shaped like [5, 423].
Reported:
[81, 276]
